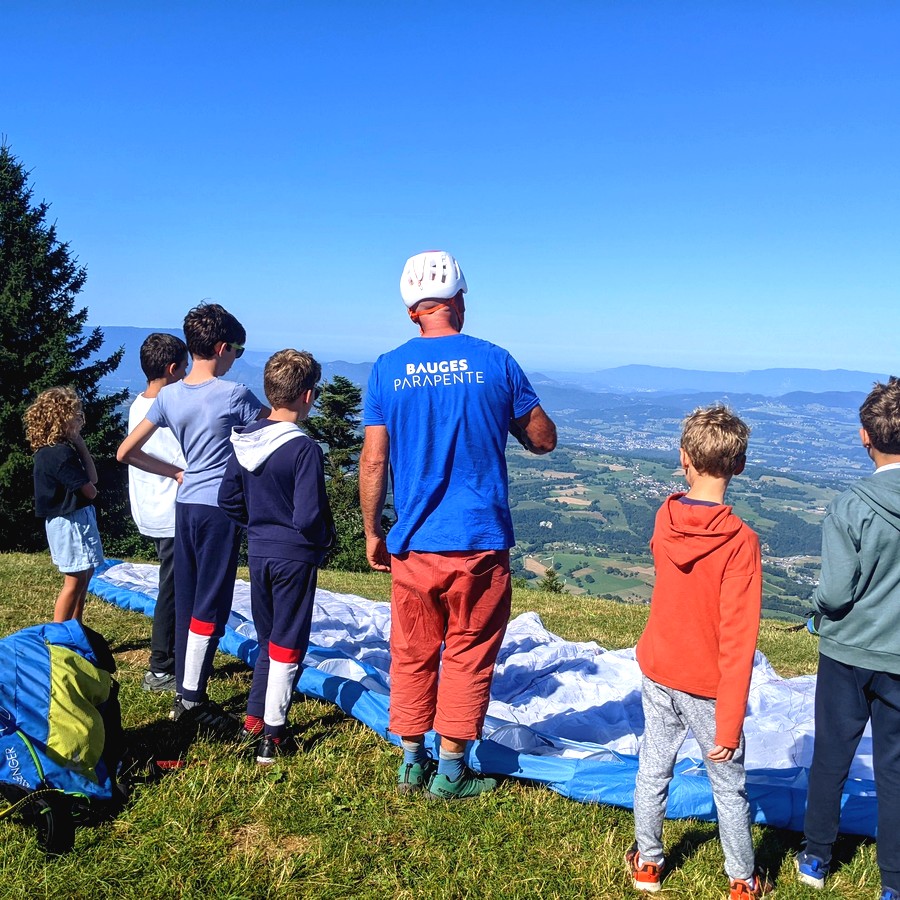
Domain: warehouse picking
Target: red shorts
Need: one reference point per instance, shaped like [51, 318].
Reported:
[459, 601]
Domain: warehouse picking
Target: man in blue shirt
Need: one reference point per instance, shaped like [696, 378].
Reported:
[438, 411]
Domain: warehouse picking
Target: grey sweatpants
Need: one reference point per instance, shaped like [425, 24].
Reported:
[667, 716]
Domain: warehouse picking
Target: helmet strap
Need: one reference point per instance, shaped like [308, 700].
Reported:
[450, 304]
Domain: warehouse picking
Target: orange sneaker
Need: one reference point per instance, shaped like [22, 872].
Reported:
[645, 876]
[758, 886]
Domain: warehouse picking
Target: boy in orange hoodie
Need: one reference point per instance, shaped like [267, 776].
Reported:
[696, 653]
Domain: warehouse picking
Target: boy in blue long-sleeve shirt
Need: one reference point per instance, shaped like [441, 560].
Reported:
[858, 599]
[274, 485]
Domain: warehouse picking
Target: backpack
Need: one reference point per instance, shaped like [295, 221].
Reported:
[61, 738]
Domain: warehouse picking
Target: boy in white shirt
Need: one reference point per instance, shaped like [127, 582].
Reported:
[164, 360]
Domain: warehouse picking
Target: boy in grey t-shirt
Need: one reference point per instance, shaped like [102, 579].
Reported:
[200, 411]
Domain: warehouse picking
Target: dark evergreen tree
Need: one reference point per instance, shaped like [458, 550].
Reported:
[43, 344]
[337, 425]
[551, 582]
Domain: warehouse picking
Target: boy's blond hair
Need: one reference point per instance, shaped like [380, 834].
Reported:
[716, 440]
[47, 419]
[288, 374]
[880, 416]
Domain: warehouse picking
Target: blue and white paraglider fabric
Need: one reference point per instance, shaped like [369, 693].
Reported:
[565, 714]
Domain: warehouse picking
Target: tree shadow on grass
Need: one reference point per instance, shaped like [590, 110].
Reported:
[231, 668]
[162, 741]
[687, 846]
[774, 846]
[309, 735]
[163, 745]
[130, 646]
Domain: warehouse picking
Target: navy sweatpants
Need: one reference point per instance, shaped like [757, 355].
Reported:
[282, 595]
[846, 698]
[206, 553]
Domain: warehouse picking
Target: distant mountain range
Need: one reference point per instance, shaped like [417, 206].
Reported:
[622, 380]
[767, 382]
[804, 421]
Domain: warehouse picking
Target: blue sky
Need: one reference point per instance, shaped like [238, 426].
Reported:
[705, 185]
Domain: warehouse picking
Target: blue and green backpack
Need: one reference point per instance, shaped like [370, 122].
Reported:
[61, 739]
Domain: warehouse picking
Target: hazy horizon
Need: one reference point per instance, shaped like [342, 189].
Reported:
[562, 367]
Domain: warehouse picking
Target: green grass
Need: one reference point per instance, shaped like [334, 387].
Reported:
[328, 823]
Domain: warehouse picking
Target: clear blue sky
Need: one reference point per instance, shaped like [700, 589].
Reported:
[705, 185]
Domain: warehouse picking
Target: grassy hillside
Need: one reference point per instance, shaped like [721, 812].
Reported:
[328, 824]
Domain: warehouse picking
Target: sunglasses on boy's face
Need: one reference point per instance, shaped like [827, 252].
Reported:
[238, 349]
[317, 392]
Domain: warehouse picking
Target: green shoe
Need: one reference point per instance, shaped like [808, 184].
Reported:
[469, 784]
[413, 777]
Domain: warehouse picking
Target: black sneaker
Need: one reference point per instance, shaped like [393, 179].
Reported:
[154, 682]
[208, 717]
[268, 750]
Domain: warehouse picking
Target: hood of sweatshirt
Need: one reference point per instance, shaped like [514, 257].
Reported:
[881, 493]
[255, 443]
[686, 532]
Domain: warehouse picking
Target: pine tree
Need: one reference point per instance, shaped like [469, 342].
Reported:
[43, 344]
[337, 425]
[551, 582]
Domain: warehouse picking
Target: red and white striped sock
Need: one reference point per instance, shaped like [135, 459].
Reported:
[253, 724]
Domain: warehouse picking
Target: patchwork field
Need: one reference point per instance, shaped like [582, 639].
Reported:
[592, 515]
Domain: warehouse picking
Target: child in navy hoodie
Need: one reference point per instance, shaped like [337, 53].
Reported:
[274, 485]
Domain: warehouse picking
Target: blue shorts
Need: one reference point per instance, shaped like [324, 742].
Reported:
[75, 541]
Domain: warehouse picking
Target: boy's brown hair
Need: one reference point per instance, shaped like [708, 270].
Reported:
[288, 374]
[159, 351]
[880, 416]
[47, 419]
[716, 440]
[208, 324]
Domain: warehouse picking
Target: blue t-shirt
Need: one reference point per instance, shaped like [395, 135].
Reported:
[201, 417]
[446, 403]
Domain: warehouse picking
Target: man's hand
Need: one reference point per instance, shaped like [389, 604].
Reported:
[376, 553]
[720, 753]
[535, 431]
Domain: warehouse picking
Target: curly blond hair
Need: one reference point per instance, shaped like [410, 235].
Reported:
[47, 419]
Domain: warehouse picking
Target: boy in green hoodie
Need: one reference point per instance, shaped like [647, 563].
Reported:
[858, 598]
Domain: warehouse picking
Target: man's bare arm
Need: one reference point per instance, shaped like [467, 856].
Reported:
[535, 431]
[373, 475]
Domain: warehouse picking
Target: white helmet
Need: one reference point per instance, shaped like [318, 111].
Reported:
[432, 275]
